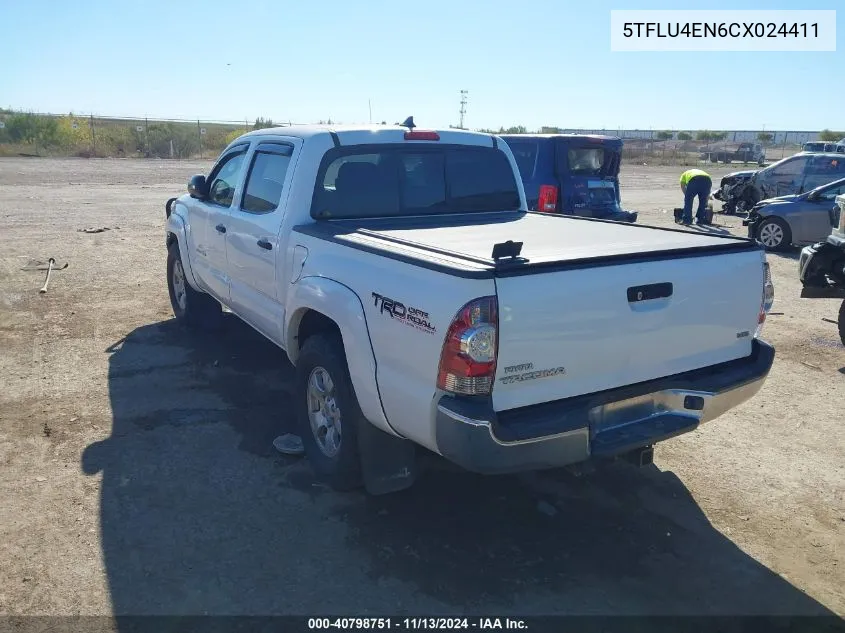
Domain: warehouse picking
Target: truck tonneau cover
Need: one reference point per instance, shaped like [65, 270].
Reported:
[463, 244]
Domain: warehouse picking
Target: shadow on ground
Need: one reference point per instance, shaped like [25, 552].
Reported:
[792, 253]
[200, 516]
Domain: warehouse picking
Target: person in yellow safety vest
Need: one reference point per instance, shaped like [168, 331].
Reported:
[695, 183]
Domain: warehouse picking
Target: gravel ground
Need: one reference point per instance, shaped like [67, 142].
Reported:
[138, 475]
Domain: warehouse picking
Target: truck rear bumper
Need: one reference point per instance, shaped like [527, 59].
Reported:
[553, 434]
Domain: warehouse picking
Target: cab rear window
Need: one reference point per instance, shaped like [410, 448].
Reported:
[387, 181]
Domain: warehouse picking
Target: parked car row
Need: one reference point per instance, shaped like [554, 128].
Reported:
[741, 190]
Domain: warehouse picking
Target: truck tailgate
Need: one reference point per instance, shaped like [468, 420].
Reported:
[569, 332]
[566, 325]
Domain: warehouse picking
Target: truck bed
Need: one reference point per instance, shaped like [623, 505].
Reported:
[463, 244]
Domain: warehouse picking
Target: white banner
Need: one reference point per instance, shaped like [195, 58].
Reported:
[723, 30]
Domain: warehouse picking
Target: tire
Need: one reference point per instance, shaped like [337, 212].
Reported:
[190, 307]
[842, 322]
[774, 234]
[332, 450]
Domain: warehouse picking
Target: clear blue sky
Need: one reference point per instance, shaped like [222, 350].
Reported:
[529, 62]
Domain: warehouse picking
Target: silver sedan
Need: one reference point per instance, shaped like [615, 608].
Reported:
[800, 219]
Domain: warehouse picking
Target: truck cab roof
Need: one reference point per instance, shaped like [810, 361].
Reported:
[366, 134]
[598, 138]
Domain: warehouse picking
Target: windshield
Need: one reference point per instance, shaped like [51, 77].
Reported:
[829, 191]
[388, 181]
[585, 161]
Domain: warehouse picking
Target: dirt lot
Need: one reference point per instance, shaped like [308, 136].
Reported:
[138, 474]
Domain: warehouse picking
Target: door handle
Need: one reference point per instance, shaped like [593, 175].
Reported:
[267, 246]
[220, 228]
[649, 292]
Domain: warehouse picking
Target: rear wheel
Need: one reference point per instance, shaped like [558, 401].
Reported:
[774, 234]
[191, 307]
[842, 322]
[328, 413]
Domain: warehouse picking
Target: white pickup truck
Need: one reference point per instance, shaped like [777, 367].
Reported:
[423, 306]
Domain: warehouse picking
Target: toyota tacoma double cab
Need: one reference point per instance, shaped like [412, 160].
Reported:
[424, 307]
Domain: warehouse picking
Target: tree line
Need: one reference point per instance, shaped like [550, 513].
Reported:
[74, 135]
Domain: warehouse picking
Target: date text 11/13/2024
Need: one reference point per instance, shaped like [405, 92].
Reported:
[417, 624]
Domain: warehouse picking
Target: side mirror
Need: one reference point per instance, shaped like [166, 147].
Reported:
[198, 187]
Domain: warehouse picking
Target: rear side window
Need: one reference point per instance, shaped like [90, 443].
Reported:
[525, 155]
[822, 170]
[385, 181]
[266, 179]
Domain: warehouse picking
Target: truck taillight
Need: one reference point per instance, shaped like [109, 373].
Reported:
[468, 360]
[548, 199]
[767, 300]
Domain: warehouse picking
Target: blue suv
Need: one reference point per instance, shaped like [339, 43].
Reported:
[571, 174]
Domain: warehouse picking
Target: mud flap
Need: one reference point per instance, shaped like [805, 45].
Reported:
[388, 463]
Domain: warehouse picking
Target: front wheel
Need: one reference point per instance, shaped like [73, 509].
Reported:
[774, 234]
[328, 413]
[190, 307]
[842, 322]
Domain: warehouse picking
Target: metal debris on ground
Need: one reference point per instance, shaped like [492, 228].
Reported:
[37, 264]
[51, 266]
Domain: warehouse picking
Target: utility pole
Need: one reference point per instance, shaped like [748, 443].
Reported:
[463, 108]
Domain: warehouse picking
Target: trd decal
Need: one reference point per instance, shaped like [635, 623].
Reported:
[521, 373]
[406, 314]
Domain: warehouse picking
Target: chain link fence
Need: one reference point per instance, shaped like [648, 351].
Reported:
[694, 147]
[74, 135]
[43, 134]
